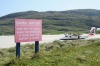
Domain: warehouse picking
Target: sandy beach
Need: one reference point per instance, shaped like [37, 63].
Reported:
[9, 41]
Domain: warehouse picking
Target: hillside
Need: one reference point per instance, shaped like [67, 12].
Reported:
[55, 21]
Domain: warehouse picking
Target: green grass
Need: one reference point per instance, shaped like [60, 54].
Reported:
[58, 53]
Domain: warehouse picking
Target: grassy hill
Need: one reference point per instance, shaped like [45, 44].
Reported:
[79, 20]
[58, 53]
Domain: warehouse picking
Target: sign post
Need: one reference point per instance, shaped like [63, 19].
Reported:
[27, 30]
[36, 47]
[18, 50]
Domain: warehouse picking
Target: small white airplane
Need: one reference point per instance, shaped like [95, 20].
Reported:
[71, 37]
[91, 35]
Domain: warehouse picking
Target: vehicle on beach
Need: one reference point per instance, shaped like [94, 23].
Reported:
[91, 35]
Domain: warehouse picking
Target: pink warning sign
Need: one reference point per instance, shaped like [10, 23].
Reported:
[27, 30]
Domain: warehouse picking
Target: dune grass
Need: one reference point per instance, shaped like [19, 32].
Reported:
[57, 53]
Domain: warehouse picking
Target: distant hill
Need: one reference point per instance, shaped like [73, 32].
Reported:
[55, 21]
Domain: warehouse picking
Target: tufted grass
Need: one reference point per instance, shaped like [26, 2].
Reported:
[57, 53]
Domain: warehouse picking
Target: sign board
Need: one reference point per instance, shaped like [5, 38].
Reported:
[28, 30]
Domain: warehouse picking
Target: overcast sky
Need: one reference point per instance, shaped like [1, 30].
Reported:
[12, 6]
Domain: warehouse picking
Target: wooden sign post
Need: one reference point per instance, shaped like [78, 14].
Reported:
[18, 50]
[36, 47]
[27, 30]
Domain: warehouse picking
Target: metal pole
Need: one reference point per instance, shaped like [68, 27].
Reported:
[36, 47]
[18, 50]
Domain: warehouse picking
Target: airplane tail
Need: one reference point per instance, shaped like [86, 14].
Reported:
[92, 31]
